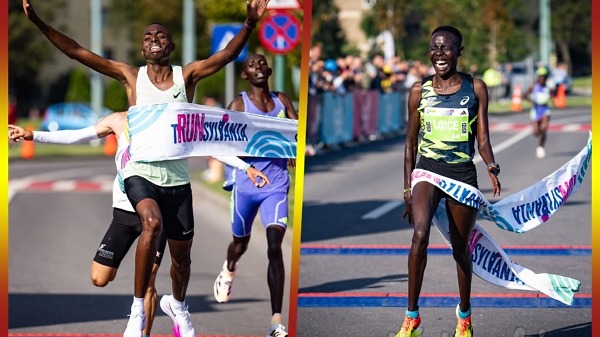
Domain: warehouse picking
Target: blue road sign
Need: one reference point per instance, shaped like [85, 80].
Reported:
[222, 34]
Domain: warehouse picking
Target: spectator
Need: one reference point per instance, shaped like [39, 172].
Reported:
[493, 79]
[375, 72]
[506, 79]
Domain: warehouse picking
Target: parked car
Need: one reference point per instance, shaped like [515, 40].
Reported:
[522, 75]
[71, 116]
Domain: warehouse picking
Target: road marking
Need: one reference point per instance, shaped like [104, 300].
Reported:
[372, 250]
[94, 185]
[381, 210]
[484, 300]
[561, 127]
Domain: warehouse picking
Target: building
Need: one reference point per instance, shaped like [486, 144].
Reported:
[350, 17]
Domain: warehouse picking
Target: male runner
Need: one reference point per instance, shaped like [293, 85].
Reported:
[271, 201]
[126, 225]
[159, 191]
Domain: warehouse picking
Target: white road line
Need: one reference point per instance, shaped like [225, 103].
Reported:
[572, 127]
[501, 126]
[505, 144]
[16, 185]
[64, 185]
[381, 210]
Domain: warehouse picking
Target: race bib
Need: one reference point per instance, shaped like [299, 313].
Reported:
[446, 124]
[542, 98]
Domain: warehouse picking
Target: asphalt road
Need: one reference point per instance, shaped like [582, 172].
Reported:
[54, 234]
[354, 197]
[351, 197]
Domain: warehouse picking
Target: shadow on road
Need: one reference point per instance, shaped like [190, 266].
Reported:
[30, 310]
[580, 330]
[354, 284]
[319, 224]
[331, 159]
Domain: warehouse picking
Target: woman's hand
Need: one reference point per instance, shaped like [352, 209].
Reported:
[493, 171]
[408, 215]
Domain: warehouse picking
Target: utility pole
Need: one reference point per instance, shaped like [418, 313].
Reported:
[96, 40]
[189, 32]
[545, 38]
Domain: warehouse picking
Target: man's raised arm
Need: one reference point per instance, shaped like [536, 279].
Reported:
[72, 49]
[204, 68]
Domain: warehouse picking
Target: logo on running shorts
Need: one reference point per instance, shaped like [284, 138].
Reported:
[105, 253]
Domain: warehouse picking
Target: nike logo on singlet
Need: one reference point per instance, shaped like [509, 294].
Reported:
[176, 95]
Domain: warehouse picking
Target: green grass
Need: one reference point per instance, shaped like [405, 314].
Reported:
[48, 151]
[572, 101]
[579, 84]
[582, 82]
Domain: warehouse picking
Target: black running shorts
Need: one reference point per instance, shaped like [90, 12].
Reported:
[120, 235]
[175, 203]
[463, 172]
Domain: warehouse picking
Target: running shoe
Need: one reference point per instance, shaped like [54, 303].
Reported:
[277, 331]
[182, 325]
[137, 323]
[540, 152]
[411, 327]
[222, 286]
[464, 327]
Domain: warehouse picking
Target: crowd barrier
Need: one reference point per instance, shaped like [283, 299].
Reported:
[335, 119]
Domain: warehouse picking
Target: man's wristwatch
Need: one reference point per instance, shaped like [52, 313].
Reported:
[494, 166]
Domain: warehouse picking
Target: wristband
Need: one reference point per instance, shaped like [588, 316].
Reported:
[494, 166]
[248, 27]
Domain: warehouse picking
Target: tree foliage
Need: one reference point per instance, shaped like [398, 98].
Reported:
[493, 31]
[141, 13]
[28, 50]
[571, 23]
[79, 89]
[115, 97]
[326, 28]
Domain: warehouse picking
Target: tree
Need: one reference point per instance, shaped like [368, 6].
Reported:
[490, 33]
[139, 14]
[571, 28]
[326, 28]
[79, 89]
[28, 51]
[115, 97]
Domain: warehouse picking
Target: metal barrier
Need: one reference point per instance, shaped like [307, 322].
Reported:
[334, 119]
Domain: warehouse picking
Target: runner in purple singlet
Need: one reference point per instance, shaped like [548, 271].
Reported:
[271, 200]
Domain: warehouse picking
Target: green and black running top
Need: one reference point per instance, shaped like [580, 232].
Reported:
[448, 122]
